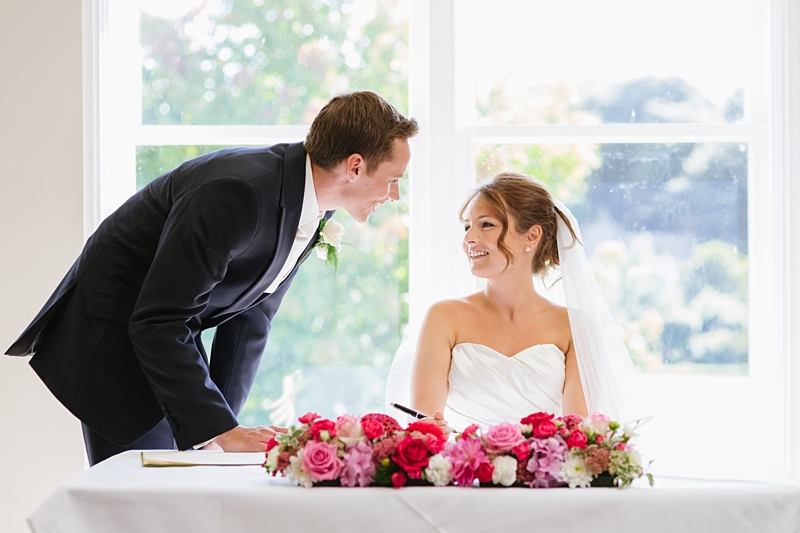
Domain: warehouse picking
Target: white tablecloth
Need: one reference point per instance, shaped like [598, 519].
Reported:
[119, 495]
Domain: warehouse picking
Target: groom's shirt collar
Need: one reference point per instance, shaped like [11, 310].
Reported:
[310, 212]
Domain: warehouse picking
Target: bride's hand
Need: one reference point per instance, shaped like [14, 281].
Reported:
[438, 419]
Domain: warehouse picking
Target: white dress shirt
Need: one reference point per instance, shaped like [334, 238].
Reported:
[309, 222]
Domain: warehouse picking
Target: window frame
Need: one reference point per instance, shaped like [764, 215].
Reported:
[443, 162]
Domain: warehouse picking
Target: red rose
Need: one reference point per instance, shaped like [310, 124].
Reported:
[544, 429]
[412, 454]
[372, 428]
[271, 443]
[322, 425]
[598, 439]
[427, 428]
[522, 450]
[398, 479]
[308, 418]
[471, 429]
[484, 472]
[537, 418]
[577, 439]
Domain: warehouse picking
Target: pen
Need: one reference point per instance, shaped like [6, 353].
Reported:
[408, 410]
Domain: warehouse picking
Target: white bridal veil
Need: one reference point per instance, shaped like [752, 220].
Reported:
[603, 360]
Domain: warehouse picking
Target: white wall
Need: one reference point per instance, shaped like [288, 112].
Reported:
[41, 233]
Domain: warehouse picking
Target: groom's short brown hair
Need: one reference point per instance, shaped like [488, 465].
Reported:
[356, 123]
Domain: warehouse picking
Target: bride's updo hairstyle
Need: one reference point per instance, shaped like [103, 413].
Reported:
[529, 204]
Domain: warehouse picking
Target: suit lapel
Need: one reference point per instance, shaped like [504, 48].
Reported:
[291, 206]
[294, 170]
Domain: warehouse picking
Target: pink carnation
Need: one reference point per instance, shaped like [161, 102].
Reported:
[321, 462]
[502, 438]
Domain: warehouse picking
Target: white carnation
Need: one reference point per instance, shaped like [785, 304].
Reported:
[575, 473]
[505, 470]
[272, 459]
[438, 470]
[296, 473]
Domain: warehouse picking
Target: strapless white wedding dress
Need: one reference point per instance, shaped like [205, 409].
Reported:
[487, 387]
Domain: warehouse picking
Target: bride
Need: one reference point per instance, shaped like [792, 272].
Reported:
[507, 351]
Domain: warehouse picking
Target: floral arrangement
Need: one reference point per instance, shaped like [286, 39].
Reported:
[540, 452]
[329, 243]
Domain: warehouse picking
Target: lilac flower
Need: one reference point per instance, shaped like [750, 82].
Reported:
[358, 466]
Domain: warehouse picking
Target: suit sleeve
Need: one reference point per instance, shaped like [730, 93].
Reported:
[204, 231]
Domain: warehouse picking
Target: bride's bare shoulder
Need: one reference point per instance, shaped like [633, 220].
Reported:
[454, 308]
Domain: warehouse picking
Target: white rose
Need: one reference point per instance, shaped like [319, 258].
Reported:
[438, 470]
[505, 470]
[332, 234]
[272, 459]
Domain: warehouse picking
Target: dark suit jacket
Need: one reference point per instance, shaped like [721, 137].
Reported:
[118, 342]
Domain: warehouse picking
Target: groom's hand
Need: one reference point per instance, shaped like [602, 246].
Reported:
[247, 439]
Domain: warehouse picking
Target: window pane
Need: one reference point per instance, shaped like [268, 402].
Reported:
[263, 62]
[334, 327]
[665, 227]
[588, 62]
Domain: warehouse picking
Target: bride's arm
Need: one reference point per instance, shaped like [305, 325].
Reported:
[432, 360]
[574, 401]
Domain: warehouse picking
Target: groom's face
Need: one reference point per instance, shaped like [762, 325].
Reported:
[372, 189]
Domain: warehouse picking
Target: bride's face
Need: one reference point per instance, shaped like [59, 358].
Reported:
[482, 229]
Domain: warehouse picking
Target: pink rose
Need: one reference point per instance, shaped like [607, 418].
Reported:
[598, 439]
[320, 460]
[349, 430]
[545, 429]
[597, 422]
[271, 443]
[502, 438]
[577, 439]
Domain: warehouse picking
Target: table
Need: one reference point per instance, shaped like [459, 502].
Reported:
[120, 495]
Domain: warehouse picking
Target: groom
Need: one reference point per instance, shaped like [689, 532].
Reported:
[215, 242]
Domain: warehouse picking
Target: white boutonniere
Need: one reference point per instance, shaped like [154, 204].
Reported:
[330, 241]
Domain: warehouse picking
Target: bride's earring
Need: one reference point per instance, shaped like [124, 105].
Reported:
[528, 249]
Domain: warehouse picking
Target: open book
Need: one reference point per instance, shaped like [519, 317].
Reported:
[201, 458]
